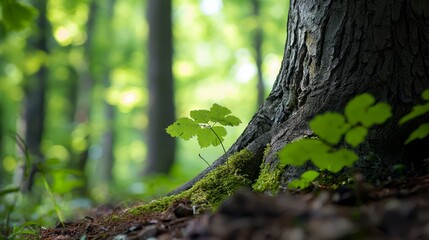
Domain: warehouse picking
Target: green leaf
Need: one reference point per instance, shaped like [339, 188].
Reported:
[204, 137]
[417, 111]
[207, 136]
[359, 110]
[218, 113]
[356, 135]
[17, 15]
[297, 153]
[230, 120]
[377, 114]
[421, 132]
[357, 107]
[335, 161]
[305, 180]
[200, 116]
[310, 175]
[184, 127]
[299, 184]
[329, 126]
[425, 95]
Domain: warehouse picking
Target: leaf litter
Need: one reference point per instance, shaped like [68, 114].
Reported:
[394, 210]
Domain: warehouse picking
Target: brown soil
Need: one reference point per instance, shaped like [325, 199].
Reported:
[396, 210]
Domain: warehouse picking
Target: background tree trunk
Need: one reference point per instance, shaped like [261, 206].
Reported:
[83, 99]
[257, 43]
[334, 51]
[161, 147]
[2, 155]
[34, 109]
[108, 141]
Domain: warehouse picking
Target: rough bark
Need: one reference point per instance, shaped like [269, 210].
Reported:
[161, 112]
[334, 51]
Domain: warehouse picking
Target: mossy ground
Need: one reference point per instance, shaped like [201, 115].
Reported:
[208, 193]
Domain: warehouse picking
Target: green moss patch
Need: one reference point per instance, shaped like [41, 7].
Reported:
[269, 179]
[240, 170]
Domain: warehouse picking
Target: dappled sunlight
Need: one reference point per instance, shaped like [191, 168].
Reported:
[212, 90]
[34, 60]
[57, 152]
[211, 7]
[126, 90]
[68, 23]
[79, 141]
[138, 150]
[244, 69]
[183, 69]
[271, 67]
[125, 99]
[9, 164]
[13, 74]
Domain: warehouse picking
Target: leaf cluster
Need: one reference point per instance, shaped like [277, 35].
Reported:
[202, 125]
[16, 15]
[423, 130]
[361, 113]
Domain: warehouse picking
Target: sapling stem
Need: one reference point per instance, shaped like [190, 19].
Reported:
[220, 141]
[204, 159]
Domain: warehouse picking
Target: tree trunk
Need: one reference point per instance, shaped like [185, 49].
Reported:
[334, 51]
[257, 44]
[108, 142]
[161, 147]
[2, 148]
[34, 110]
[83, 99]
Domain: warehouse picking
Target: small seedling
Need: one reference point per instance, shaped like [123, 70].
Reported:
[203, 125]
[332, 128]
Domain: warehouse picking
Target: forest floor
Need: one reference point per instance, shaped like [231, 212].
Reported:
[393, 210]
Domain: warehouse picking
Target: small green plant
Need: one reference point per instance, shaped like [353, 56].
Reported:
[14, 201]
[423, 130]
[27, 229]
[203, 125]
[333, 129]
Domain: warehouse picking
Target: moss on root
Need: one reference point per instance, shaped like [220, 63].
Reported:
[208, 193]
[269, 179]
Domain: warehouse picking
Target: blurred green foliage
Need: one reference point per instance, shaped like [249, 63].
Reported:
[15, 16]
[213, 62]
